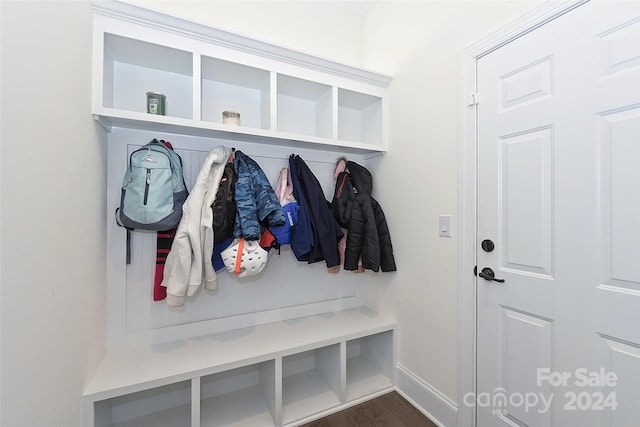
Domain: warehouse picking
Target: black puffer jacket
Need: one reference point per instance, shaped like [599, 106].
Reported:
[354, 209]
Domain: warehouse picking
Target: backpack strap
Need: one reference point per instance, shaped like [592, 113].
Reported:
[128, 254]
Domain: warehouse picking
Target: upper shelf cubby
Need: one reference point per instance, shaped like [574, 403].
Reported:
[131, 68]
[359, 117]
[304, 107]
[283, 97]
[227, 86]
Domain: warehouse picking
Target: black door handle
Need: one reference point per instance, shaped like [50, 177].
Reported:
[488, 274]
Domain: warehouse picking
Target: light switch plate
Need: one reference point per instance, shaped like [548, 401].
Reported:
[444, 225]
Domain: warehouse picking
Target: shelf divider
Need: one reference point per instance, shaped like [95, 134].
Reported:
[343, 372]
[197, 87]
[334, 113]
[273, 100]
[277, 412]
[195, 402]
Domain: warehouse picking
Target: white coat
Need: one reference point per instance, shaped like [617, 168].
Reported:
[189, 261]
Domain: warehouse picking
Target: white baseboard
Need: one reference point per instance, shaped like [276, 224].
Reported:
[426, 398]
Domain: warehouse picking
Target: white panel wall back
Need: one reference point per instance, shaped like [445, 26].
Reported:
[286, 289]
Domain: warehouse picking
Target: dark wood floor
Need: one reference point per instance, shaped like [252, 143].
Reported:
[389, 410]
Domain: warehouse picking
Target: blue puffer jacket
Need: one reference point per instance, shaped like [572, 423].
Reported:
[256, 203]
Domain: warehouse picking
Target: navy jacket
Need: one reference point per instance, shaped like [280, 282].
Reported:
[325, 230]
[301, 234]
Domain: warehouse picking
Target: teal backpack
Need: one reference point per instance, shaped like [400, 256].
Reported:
[153, 189]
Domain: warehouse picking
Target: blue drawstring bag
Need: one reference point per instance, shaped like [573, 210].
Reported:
[290, 207]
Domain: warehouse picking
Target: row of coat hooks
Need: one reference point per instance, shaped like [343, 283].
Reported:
[348, 231]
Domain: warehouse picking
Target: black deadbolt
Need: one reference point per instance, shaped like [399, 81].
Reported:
[487, 245]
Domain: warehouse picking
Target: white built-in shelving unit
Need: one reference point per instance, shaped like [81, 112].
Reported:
[282, 96]
[296, 346]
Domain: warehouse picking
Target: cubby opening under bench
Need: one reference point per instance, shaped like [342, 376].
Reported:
[277, 374]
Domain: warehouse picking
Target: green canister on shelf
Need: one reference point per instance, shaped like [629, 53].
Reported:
[156, 103]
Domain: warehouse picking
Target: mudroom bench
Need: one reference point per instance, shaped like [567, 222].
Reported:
[277, 374]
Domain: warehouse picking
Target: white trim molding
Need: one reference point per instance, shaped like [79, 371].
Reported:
[147, 17]
[466, 415]
[426, 398]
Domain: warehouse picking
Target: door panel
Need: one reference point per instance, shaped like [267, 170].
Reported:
[528, 345]
[559, 193]
[526, 84]
[526, 183]
[623, 359]
[620, 173]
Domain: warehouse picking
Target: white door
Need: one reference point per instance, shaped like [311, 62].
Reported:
[559, 196]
